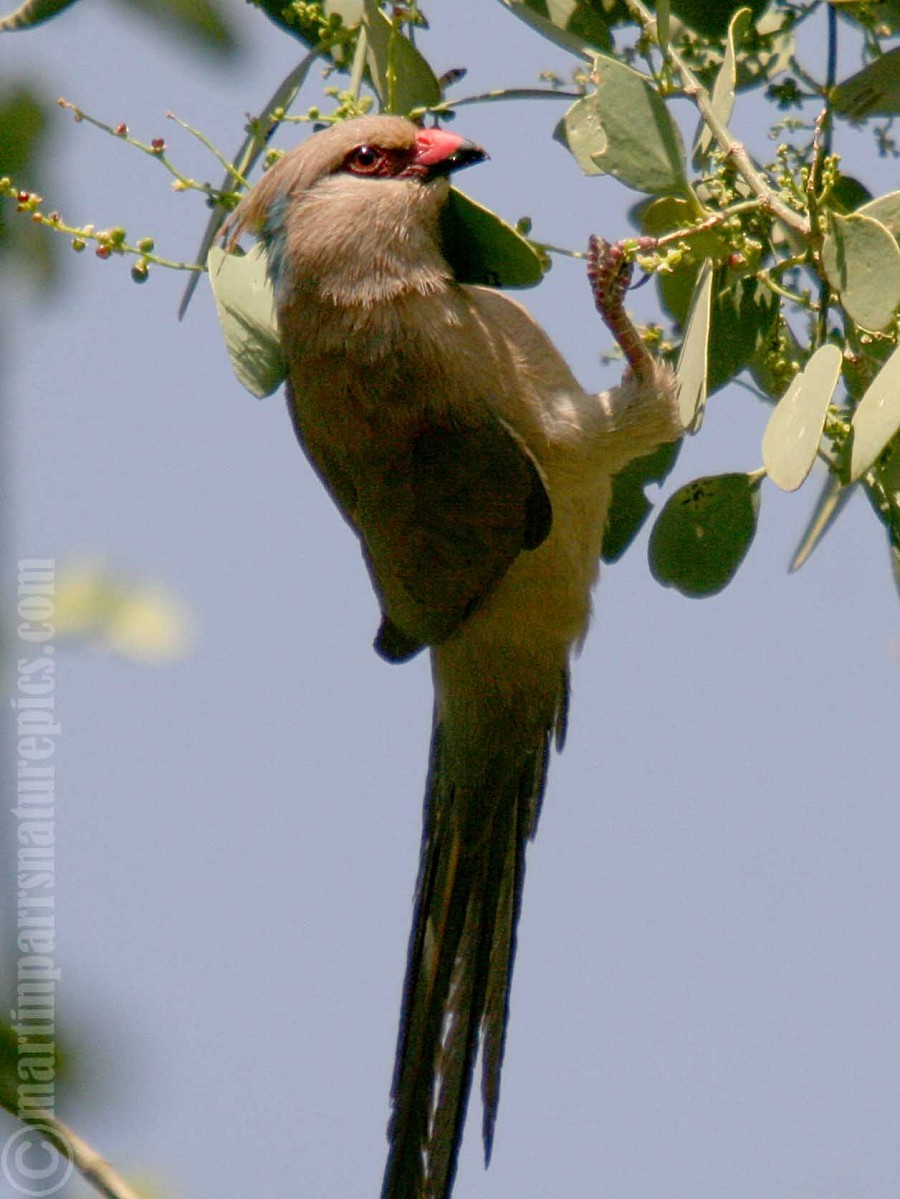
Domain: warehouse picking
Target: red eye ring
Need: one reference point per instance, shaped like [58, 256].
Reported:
[364, 159]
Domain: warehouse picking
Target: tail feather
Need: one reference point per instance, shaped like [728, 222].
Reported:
[459, 969]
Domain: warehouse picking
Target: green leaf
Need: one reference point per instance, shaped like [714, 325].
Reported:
[886, 210]
[483, 249]
[880, 14]
[770, 53]
[624, 129]
[767, 366]
[400, 75]
[245, 306]
[703, 533]
[831, 503]
[877, 417]
[873, 91]
[663, 24]
[676, 287]
[197, 21]
[250, 150]
[579, 26]
[744, 312]
[791, 440]
[9, 1064]
[692, 361]
[33, 12]
[848, 195]
[882, 488]
[307, 28]
[862, 263]
[712, 20]
[23, 133]
[722, 95]
[630, 506]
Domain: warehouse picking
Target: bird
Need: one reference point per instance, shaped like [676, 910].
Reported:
[477, 475]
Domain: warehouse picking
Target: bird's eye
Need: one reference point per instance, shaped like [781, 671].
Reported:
[364, 159]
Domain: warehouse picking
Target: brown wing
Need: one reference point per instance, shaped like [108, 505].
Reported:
[444, 525]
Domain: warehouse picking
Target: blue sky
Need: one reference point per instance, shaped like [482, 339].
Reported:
[705, 995]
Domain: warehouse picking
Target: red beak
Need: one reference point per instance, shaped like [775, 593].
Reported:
[440, 152]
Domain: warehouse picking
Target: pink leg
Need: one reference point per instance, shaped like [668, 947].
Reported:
[609, 276]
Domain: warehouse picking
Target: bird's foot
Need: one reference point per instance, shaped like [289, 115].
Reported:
[609, 274]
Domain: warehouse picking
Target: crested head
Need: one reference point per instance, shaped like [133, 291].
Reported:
[353, 210]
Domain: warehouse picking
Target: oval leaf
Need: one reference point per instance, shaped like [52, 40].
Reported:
[400, 75]
[481, 248]
[830, 504]
[744, 314]
[882, 487]
[877, 418]
[33, 12]
[885, 210]
[624, 129]
[791, 440]
[692, 361]
[873, 91]
[249, 151]
[862, 264]
[703, 533]
[630, 506]
[245, 306]
[722, 96]
[577, 26]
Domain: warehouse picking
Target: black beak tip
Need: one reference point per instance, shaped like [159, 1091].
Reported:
[467, 156]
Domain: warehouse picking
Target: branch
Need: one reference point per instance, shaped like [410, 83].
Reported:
[95, 1169]
[729, 145]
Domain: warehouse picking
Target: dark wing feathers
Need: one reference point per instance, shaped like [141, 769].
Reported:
[444, 525]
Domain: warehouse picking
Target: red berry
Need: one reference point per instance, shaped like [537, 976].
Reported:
[122, 130]
[103, 251]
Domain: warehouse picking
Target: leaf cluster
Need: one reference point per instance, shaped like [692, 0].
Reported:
[784, 274]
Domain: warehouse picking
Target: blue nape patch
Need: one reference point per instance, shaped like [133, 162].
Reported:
[274, 237]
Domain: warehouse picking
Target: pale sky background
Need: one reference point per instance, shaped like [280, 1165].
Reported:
[706, 995]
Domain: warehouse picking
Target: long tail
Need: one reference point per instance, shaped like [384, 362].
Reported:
[459, 967]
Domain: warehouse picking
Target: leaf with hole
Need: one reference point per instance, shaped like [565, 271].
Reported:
[862, 263]
[625, 129]
[703, 533]
[791, 440]
[245, 306]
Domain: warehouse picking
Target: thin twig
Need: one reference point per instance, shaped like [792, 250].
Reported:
[497, 93]
[217, 154]
[729, 145]
[94, 1168]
